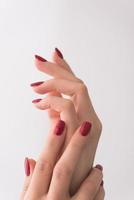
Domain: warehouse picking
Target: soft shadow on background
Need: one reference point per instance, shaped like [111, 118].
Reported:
[97, 39]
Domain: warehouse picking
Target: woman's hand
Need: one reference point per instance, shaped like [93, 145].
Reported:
[50, 179]
[74, 110]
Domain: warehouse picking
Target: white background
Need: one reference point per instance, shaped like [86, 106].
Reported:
[97, 39]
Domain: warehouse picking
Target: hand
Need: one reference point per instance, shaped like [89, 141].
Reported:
[73, 111]
[50, 179]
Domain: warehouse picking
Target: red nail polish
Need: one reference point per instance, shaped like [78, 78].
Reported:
[36, 100]
[36, 83]
[99, 167]
[59, 127]
[59, 53]
[102, 183]
[85, 128]
[27, 167]
[40, 58]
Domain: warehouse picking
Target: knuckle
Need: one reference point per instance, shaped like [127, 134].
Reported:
[61, 171]
[99, 126]
[44, 165]
[79, 80]
[76, 146]
[68, 105]
[82, 88]
[25, 188]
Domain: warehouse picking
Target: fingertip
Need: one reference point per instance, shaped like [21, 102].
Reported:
[39, 58]
[55, 57]
[36, 101]
[85, 128]
[27, 166]
[35, 84]
[58, 52]
[59, 129]
[100, 167]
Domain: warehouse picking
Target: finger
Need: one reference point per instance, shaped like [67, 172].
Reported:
[56, 71]
[101, 194]
[60, 85]
[52, 69]
[29, 166]
[66, 109]
[66, 165]
[75, 89]
[53, 115]
[44, 166]
[57, 57]
[91, 185]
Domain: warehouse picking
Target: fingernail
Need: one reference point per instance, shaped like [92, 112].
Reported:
[36, 100]
[99, 167]
[40, 58]
[85, 128]
[59, 127]
[27, 167]
[102, 183]
[59, 53]
[36, 83]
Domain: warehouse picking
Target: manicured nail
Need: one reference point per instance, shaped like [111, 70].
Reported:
[40, 58]
[27, 167]
[59, 53]
[85, 128]
[102, 183]
[99, 167]
[59, 127]
[36, 83]
[36, 100]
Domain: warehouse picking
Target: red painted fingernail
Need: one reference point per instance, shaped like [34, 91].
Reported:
[27, 167]
[102, 183]
[59, 127]
[36, 100]
[40, 58]
[85, 128]
[59, 53]
[36, 83]
[99, 167]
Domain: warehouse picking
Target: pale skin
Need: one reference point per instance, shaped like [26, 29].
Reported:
[51, 179]
[74, 110]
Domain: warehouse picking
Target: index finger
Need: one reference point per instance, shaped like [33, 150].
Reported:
[52, 69]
